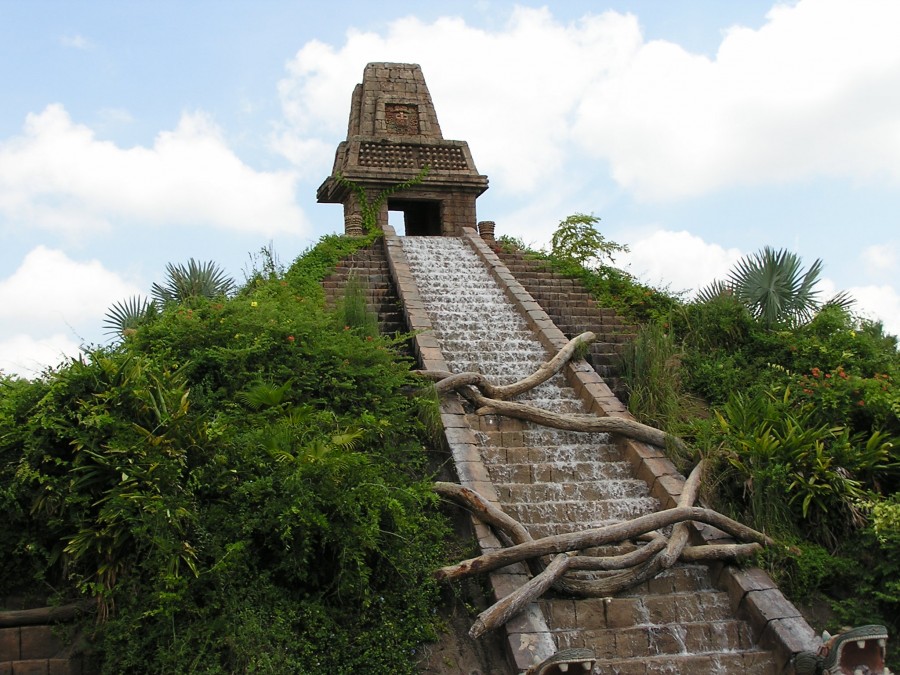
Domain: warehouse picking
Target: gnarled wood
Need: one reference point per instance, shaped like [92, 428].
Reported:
[572, 421]
[501, 612]
[44, 615]
[449, 381]
[575, 541]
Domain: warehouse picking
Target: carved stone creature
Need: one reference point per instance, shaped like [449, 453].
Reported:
[859, 651]
[566, 661]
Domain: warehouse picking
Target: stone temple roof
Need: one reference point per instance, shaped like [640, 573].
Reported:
[393, 134]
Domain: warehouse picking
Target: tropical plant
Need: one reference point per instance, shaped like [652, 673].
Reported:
[793, 469]
[241, 483]
[577, 239]
[774, 287]
[125, 316]
[194, 280]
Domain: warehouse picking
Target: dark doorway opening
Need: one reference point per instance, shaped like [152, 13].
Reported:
[421, 218]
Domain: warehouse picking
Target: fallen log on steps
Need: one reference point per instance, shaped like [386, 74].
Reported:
[634, 567]
[645, 562]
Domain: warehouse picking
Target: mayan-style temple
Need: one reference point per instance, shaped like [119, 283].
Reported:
[476, 311]
[392, 137]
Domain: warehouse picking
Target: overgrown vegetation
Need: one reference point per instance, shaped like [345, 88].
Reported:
[580, 251]
[793, 402]
[240, 482]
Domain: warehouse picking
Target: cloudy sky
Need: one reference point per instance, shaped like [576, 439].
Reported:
[133, 134]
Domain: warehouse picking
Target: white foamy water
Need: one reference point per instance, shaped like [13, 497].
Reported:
[480, 330]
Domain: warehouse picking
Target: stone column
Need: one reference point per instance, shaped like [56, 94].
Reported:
[353, 225]
[486, 230]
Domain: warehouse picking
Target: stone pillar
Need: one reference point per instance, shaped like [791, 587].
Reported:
[486, 230]
[353, 225]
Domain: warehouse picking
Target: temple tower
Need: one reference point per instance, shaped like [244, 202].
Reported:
[393, 135]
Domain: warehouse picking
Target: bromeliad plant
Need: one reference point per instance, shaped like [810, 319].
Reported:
[786, 469]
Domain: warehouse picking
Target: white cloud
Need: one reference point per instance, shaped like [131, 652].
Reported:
[50, 288]
[47, 291]
[679, 260]
[27, 357]
[880, 258]
[878, 302]
[813, 92]
[75, 42]
[57, 175]
[510, 94]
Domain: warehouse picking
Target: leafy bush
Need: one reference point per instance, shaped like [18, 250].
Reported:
[578, 240]
[240, 484]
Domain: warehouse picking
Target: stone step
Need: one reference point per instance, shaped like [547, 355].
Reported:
[558, 472]
[753, 662]
[583, 514]
[68, 666]
[540, 454]
[584, 491]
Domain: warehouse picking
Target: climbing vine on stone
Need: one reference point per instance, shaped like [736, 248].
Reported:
[369, 208]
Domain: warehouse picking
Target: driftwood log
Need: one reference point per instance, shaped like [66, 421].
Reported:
[551, 558]
[491, 399]
[449, 381]
[44, 615]
[639, 565]
[600, 536]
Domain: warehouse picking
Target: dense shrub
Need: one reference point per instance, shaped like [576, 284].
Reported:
[240, 483]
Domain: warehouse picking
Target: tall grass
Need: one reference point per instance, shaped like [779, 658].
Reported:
[656, 396]
[353, 312]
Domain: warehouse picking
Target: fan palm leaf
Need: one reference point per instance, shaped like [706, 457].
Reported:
[194, 280]
[127, 315]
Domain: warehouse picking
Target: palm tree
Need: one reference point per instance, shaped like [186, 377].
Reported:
[196, 280]
[773, 286]
[125, 316]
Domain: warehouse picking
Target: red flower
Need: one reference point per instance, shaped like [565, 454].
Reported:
[290, 338]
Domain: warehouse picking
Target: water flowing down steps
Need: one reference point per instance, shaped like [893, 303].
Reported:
[555, 482]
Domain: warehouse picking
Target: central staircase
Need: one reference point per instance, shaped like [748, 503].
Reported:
[470, 313]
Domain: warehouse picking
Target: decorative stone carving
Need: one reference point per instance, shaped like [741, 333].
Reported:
[353, 225]
[401, 118]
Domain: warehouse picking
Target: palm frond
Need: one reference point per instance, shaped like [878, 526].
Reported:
[713, 291]
[264, 394]
[127, 315]
[194, 280]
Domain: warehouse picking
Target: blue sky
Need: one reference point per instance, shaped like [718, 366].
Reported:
[140, 133]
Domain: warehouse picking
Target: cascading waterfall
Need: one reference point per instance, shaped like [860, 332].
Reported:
[480, 330]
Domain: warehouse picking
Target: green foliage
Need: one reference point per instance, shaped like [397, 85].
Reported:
[353, 312]
[578, 240]
[654, 373]
[370, 208]
[774, 287]
[125, 316]
[184, 282]
[511, 244]
[305, 275]
[791, 473]
[240, 484]
[194, 280]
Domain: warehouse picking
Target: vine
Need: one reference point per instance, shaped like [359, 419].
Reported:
[369, 208]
